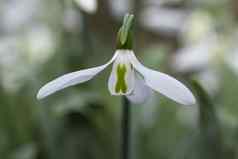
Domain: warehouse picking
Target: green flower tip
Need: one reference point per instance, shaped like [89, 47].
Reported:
[124, 36]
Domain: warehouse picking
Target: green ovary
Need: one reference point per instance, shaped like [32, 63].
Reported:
[121, 83]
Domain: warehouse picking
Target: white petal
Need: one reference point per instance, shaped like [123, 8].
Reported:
[89, 6]
[164, 83]
[141, 92]
[121, 84]
[71, 79]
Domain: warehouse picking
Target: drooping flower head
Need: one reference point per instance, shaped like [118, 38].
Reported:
[128, 77]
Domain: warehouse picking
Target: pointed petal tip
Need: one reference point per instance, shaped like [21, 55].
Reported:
[40, 95]
[190, 100]
[45, 91]
[193, 101]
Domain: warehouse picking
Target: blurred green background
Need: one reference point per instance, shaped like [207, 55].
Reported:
[189, 39]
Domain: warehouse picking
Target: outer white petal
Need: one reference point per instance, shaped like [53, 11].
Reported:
[129, 76]
[164, 83]
[89, 6]
[141, 91]
[71, 79]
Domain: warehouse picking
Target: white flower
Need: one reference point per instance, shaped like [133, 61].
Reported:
[163, 20]
[40, 44]
[89, 6]
[119, 8]
[196, 56]
[128, 77]
[201, 25]
[17, 14]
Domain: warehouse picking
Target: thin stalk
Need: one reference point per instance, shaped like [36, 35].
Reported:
[125, 129]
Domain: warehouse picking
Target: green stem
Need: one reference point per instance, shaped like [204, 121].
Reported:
[125, 128]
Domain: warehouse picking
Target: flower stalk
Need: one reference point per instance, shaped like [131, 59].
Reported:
[126, 118]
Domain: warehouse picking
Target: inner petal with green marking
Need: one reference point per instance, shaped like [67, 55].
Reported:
[122, 77]
[121, 86]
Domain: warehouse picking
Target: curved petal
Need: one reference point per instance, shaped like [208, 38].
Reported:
[164, 83]
[121, 80]
[141, 92]
[71, 79]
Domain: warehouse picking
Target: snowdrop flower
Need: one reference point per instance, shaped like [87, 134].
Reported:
[200, 23]
[89, 6]
[128, 77]
[200, 44]
[119, 8]
[12, 78]
[40, 44]
[163, 20]
[196, 56]
[72, 20]
[18, 13]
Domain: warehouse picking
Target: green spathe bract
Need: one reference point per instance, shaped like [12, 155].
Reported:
[126, 28]
[124, 36]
